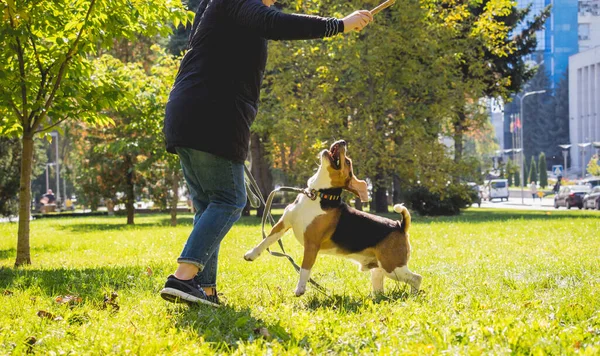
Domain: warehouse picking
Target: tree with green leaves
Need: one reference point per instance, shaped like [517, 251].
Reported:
[46, 72]
[129, 146]
[98, 173]
[511, 170]
[593, 166]
[392, 83]
[533, 176]
[517, 176]
[10, 156]
[178, 41]
[489, 59]
[542, 168]
[509, 176]
[383, 90]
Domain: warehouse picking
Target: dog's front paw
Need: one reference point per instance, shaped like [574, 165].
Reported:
[251, 255]
[415, 284]
[300, 290]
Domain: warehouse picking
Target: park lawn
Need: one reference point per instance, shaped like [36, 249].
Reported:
[494, 282]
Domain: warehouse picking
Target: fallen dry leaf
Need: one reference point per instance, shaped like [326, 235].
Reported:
[68, 299]
[111, 301]
[47, 315]
[262, 331]
[30, 341]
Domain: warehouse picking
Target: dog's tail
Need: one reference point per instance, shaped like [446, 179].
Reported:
[401, 209]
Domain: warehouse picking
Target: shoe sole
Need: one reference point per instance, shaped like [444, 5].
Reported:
[177, 296]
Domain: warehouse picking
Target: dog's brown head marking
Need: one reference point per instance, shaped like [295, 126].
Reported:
[339, 167]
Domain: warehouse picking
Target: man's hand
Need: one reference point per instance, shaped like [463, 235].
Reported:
[357, 20]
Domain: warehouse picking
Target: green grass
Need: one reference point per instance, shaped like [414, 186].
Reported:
[495, 282]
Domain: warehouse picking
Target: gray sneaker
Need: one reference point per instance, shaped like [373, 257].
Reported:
[186, 291]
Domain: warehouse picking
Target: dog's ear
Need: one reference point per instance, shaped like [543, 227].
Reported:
[359, 188]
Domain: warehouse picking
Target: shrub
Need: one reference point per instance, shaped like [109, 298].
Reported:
[533, 177]
[453, 199]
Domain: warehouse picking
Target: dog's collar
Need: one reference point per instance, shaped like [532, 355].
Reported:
[333, 194]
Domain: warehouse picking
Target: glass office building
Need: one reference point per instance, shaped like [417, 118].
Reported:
[556, 42]
[559, 38]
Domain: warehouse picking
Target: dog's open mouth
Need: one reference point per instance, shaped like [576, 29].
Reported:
[334, 154]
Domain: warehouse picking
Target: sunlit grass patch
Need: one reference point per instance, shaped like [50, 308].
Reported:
[494, 282]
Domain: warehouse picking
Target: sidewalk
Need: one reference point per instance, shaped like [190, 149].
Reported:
[526, 203]
[515, 198]
[545, 202]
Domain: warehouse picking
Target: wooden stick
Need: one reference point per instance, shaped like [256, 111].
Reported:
[383, 5]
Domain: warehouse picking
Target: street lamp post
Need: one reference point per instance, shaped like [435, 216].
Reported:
[521, 139]
[565, 152]
[517, 151]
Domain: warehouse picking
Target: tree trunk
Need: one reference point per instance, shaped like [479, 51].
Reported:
[381, 203]
[459, 129]
[246, 210]
[396, 190]
[260, 168]
[459, 136]
[110, 206]
[129, 190]
[23, 250]
[175, 198]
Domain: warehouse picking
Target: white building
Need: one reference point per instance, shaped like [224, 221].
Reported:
[588, 19]
[584, 106]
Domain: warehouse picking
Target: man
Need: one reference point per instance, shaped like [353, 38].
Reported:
[48, 198]
[211, 107]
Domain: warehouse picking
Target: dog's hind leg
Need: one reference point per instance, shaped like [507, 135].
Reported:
[403, 274]
[377, 275]
[310, 255]
[276, 233]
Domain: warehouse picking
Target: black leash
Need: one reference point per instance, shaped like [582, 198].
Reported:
[267, 214]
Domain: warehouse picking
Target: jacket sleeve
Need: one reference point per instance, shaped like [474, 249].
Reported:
[273, 24]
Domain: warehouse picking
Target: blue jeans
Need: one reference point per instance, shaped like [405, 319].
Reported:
[218, 192]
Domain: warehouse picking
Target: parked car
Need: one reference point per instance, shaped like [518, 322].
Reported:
[591, 181]
[592, 199]
[497, 188]
[571, 195]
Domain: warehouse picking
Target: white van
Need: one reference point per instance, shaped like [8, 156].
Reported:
[497, 188]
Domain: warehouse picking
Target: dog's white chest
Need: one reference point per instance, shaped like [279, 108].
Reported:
[302, 215]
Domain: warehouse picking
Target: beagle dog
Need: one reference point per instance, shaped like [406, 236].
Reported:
[323, 223]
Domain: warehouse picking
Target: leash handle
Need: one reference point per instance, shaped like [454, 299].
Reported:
[383, 5]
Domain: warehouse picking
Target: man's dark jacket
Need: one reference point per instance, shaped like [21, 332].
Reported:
[214, 99]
